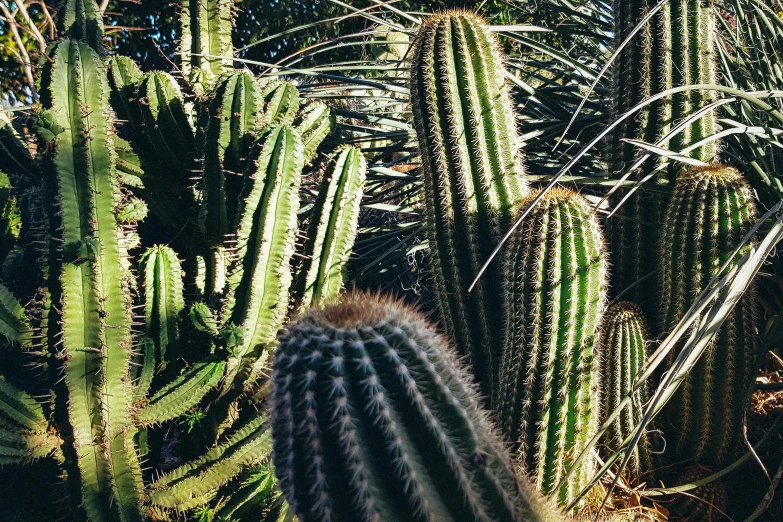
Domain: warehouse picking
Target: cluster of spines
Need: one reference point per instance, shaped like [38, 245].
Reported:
[333, 228]
[472, 174]
[374, 419]
[622, 354]
[711, 210]
[555, 277]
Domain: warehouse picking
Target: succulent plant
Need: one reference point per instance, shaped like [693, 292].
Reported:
[375, 419]
[712, 208]
[621, 356]
[555, 293]
[707, 502]
[206, 40]
[472, 174]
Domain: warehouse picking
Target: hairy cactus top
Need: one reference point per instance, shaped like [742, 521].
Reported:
[374, 419]
[473, 175]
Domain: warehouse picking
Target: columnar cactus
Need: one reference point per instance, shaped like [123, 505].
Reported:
[374, 419]
[206, 39]
[621, 356]
[93, 326]
[711, 209]
[333, 228]
[472, 174]
[675, 48]
[555, 294]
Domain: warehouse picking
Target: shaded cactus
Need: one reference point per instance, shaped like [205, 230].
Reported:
[472, 174]
[333, 226]
[10, 217]
[374, 419]
[708, 502]
[674, 49]
[14, 325]
[205, 44]
[621, 356]
[711, 209]
[124, 79]
[14, 156]
[82, 20]
[24, 432]
[554, 297]
[92, 324]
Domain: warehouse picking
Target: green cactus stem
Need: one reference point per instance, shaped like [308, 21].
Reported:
[281, 102]
[13, 321]
[163, 300]
[711, 209]
[256, 497]
[708, 502]
[472, 173]
[675, 48]
[555, 294]
[92, 318]
[205, 43]
[124, 79]
[333, 226]
[82, 20]
[10, 217]
[194, 483]
[313, 124]
[621, 356]
[24, 432]
[14, 155]
[259, 281]
[375, 419]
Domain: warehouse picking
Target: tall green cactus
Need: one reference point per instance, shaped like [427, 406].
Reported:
[205, 39]
[82, 20]
[555, 294]
[621, 356]
[332, 230]
[94, 320]
[472, 174]
[675, 48]
[711, 209]
[374, 419]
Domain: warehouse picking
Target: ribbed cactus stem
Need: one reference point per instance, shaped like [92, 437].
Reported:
[621, 356]
[313, 123]
[333, 228]
[14, 155]
[555, 294]
[374, 419]
[82, 20]
[94, 320]
[163, 300]
[472, 174]
[711, 209]
[281, 102]
[206, 38]
[674, 49]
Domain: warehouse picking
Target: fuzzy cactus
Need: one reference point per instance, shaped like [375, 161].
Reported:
[712, 208]
[621, 356]
[472, 174]
[375, 419]
[555, 294]
[675, 48]
[333, 228]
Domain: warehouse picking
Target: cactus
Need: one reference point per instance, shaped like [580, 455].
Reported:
[374, 419]
[621, 356]
[205, 43]
[93, 323]
[332, 230]
[313, 124]
[14, 157]
[13, 321]
[281, 102]
[23, 428]
[711, 209]
[555, 293]
[675, 48]
[124, 79]
[706, 502]
[82, 20]
[472, 174]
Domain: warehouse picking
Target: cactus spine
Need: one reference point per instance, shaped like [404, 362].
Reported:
[555, 294]
[374, 419]
[621, 356]
[711, 209]
[333, 228]
[675, 48]
[94, 321]
[472, 173]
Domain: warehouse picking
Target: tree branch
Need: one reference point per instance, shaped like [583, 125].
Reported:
[26, 64]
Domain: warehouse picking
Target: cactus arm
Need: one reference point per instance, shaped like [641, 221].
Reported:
[145, 369]
[19, 410]
[190, 484]
[255, 497]
[82, 20]
[313, 124]
[281, 102]
[163, 300]
[13, 322]
[259, 282]
[472, 174]
[95, 309]
[124, 79]
[332, 228]
[182, 394]
[206, 30]
[14, 155]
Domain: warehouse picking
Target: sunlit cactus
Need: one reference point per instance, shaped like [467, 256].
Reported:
[555, 293]
[472, 174]
[205, 41]
[712, 208]
[375, 419]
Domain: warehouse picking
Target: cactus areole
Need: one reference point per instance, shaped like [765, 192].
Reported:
[472, 174]
[375, 420]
